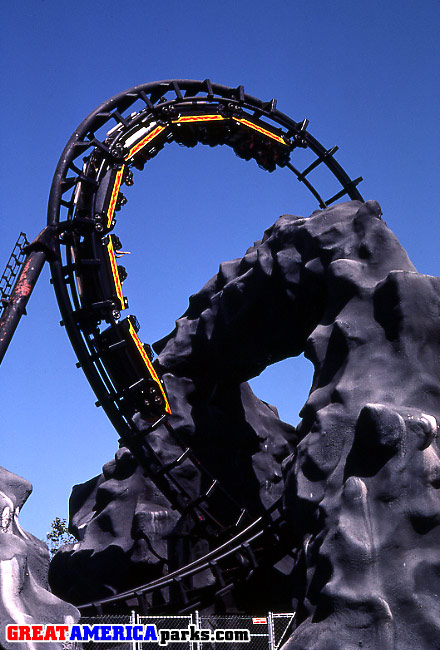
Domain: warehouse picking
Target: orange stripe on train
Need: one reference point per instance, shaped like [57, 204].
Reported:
[115, 272]
[199, 118]
[141, 144]
[260, 129]
[114, 196]
[149, 365]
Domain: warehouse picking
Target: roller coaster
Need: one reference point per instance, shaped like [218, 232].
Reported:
[119, 137]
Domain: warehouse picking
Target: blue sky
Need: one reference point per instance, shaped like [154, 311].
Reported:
[366, 75]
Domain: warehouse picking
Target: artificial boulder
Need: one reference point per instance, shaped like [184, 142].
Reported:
[361, 489]
[128, 532]
[24, 563]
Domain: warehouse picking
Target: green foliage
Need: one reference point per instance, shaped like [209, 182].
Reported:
[58, 535]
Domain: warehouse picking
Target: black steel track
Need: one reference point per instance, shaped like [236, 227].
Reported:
[235, 560]
[121, 135]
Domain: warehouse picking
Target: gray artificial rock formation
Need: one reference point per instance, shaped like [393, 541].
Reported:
[122, 523]
[24, 563]
[361, 488]
[127, 530]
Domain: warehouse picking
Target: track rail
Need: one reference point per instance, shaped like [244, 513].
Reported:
[119, 136]
[235, 560]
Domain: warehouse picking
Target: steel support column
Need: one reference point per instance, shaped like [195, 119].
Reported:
[16, 306]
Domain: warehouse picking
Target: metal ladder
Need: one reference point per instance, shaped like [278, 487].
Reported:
[12, 270]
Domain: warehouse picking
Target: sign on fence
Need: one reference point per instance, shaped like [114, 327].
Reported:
[192, 632]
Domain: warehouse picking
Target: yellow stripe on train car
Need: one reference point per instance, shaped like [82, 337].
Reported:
[198, 118]
[115, 272]
[149, 365]
[114, 196]
[142, 143]
[216, 117]
[261, 130]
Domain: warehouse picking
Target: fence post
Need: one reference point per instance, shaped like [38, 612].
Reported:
[271, 631]
[134, 620]
[197, 624]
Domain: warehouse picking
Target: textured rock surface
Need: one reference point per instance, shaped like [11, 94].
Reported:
[24, 564]
[121, 522]
[361, 489]
[128, 532]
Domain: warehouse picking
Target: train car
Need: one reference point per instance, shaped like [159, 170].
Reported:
[109, 198]
[253, 138]
[144, 141]
[99, 277]
[249, 137]
[128, 364]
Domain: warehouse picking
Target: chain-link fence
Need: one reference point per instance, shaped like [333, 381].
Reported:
[105, 619]
[258, 629]
[169, 623]
[281, 625]
[193, 632]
